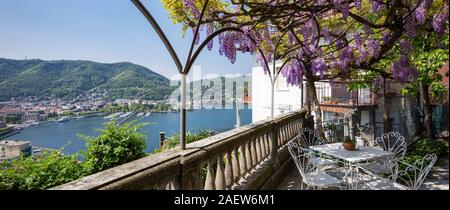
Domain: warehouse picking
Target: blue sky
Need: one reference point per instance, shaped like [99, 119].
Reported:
[100, 30]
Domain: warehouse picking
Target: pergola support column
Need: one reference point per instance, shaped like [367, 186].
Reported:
[183, 111]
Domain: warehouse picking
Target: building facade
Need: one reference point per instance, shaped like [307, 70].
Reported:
[11, 149]
[342, 109]
[287, 98]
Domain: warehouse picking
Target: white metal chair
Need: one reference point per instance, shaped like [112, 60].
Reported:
[367, 134]
[410, 178]
[392, 142]
[307, 138]
[312, 178]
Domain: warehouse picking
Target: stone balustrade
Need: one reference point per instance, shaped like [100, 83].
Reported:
[250, 157]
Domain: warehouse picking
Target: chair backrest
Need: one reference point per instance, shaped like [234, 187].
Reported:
[392, 142]
[413, 176]
[300, 156]
[308, 137]
[367, 134]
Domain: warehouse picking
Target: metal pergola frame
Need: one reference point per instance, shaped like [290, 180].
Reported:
[183, 71]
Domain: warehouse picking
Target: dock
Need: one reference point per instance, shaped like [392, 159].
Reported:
[127, 117]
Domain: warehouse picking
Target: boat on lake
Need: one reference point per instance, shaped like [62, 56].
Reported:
[125, 115]
[113, 115]
[63, 119]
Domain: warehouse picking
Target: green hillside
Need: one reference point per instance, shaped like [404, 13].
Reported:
[68, 79]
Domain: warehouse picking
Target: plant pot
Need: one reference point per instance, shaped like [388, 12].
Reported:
[349, 146]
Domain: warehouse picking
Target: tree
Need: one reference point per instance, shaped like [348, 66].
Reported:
[429, 54]
[336, 39]
[114, 146]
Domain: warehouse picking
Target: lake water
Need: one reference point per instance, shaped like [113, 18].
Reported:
[65, 134]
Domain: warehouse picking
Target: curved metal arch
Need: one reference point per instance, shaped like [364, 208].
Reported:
[275, 73]
[160, 33]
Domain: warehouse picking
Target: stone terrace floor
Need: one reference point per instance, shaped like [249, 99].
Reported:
[436, 180]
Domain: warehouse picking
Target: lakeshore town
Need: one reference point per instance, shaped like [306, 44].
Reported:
[17, 114]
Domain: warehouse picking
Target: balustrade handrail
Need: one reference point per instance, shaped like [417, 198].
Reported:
[228, 158]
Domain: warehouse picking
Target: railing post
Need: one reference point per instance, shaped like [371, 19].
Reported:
[162, 138]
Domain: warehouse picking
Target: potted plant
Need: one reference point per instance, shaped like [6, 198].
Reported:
[349, 144]
[333, 101]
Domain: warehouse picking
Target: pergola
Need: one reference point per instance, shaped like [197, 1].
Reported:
[192, 56]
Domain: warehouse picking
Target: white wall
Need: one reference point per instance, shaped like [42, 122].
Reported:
[287, 98]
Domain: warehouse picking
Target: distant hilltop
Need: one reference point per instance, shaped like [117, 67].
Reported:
[69, 79]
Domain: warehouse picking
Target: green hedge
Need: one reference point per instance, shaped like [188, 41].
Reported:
[50, 170]
[114, 146]
[417, 151]
[426, 146]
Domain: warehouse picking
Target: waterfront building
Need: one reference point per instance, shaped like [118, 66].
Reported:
[12, 149]
[34, 116]
[11, 117]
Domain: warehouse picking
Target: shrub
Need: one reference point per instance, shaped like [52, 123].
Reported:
[174, 140]
[47, 171]
[421, 148]
[429, 146]
[115, 145]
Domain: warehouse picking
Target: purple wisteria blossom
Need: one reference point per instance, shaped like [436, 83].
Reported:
[293, 72]
[420, 13]
[209, 31]
[358, 4]
[403, 71]
[439, 20]
[190, 4]
[405, 47]
[373, 46]
[319, 66]
[410, 26]
[376, 6]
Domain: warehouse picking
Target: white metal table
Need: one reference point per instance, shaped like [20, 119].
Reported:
[351, 159]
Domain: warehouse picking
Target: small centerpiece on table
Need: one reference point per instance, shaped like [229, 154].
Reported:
[349, 144]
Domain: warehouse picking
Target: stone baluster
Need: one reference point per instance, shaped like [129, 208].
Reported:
[263, 146]
[291, 130]
[281, 136]
[254, 154]
[258, 150]
[197, 178]
[266, 145]
[210, 175]
[229, 176]
[236, 164]
[243, 160]
[249, 156]
[220, 175]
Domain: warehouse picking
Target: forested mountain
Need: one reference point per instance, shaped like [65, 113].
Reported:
[68, 79]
